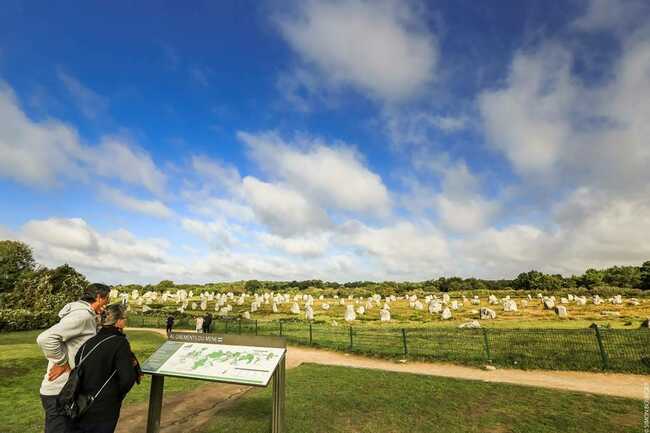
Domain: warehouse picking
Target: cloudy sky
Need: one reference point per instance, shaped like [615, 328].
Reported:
[340, 140]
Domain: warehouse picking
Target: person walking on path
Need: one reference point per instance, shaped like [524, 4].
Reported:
[170, 324]
[109, 370]
[199, 324]
[60, 344]
[207, 323]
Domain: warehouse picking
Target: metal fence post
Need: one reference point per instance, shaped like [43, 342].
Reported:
[351, 342]
[486, 344]
[255, 326]
[310, 339]
[406, 350]
[280, 328]
[601, 347]
[239, 327]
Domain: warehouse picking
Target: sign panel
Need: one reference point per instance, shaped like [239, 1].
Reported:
[248, 365]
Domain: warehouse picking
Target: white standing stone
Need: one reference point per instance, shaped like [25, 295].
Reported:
[446, 314]
[295, 309]
[561, 311]
[350, 315]
[486, 313]
[384, 315]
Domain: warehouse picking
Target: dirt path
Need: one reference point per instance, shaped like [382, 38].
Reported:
[189, 412]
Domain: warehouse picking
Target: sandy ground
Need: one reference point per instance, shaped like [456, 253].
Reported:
[189, 412]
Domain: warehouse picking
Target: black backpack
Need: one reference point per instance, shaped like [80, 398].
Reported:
[73, 402]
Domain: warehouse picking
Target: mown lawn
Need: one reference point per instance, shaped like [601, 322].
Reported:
[322, 399]
[22, 366]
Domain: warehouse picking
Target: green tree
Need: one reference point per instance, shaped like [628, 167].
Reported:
[165, 284]
[16, 259]
[644, 280]
[48, 289]
[591, 278]
[252, 286]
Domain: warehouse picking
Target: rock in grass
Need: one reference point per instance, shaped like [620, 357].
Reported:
[470, 325]
[489, 367]
[446, 314]
[486, 313]
[549, 304]
[384, 315]
[560, 310]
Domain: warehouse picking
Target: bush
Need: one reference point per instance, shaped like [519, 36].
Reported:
[25, 320]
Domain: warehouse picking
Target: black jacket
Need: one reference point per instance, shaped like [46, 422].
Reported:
[113, 354]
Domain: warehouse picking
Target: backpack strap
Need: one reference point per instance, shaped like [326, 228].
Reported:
[107, 380]
[82, 358]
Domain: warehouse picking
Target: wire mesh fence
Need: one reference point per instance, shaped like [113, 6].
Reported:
[559, 349]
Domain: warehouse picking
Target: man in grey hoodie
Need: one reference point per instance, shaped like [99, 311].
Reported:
[60, 344]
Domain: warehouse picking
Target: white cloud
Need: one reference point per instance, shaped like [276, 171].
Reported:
[217, 233]
[36, 153]
[333, 176]
[153, 208]
[89, 102]
[116, 159]
[612, 15]
[306, 246]
[46, 153]
[216, 174]
[403, 250]
[284, 210]
[382, 48]
[556, 130]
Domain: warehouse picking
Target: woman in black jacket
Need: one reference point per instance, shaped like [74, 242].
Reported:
[109, 370]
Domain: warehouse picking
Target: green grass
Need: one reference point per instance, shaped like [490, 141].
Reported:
[323, 399]
[22, 366]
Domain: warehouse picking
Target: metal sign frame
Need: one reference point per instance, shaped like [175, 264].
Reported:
[277, 379]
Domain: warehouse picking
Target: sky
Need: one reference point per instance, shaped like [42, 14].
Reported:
[341, 140]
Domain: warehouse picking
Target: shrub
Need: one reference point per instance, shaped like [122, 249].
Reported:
[24, 320]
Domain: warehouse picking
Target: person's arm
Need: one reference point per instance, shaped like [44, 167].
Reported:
[126, 373]
[51, 341]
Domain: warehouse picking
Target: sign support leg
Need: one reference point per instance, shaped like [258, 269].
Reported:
[277, 421]
[155, 403]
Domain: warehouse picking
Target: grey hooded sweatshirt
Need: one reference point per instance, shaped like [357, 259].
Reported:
[60, 342]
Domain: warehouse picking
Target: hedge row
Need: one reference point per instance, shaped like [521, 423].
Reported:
[24, 320]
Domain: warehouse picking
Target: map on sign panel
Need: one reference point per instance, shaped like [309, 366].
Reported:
[220, 362]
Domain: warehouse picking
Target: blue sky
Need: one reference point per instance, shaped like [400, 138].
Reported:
[340, 140]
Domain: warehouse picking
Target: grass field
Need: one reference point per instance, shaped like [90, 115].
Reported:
[324, 399]
[22, 366]
[624, 316]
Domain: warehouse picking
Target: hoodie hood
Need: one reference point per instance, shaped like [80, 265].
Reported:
[75, 306]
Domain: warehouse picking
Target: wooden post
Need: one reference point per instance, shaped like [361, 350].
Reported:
[486, 344]
[280, 328]
[277, 417]
[406, 350]
[255, 326]
[155, 403]
[351, 342]
[310, 335]
[601, 347]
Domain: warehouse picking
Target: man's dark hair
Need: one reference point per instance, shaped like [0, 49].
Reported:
[94, 289]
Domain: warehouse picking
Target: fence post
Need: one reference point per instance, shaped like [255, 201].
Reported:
[255, 326]
[351, 343]
[239, 327]
[280, 328]
[310, 339]
[601, 347]
[406, 350]
[487, 345]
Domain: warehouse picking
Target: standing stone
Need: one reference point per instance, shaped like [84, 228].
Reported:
[509, 305]
[350, 315]
[274, 307]
[476, 300]
[325, 306]
[246, 315]
[361, 310]
[446, 314]
[486, 313]
[549, 304]
[471, 325]
[561, 311]
[309, 313]
[492, 300]
[295, 309]
[384, 315]
[435, 307]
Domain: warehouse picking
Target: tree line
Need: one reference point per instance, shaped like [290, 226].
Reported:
[28, 285]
